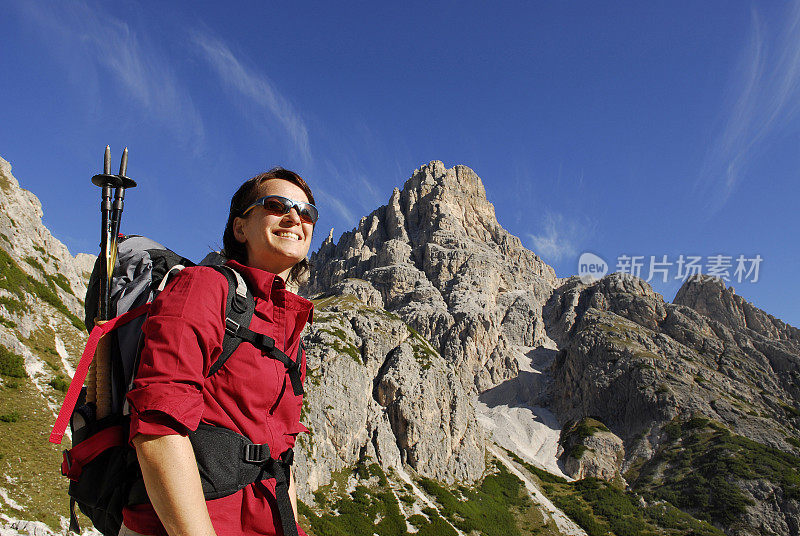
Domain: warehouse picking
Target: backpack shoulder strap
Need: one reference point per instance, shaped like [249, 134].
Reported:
[239, 308]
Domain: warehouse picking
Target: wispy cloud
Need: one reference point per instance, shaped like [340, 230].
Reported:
[764, 97]
[325, 198]
[90, 38]
[559, 237]
[254, 86]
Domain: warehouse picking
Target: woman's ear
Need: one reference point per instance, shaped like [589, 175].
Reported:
[238, 230]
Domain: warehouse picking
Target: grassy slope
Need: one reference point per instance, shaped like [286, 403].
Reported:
[497, 506]
[697, 469]
[602, 508]
[29, 463]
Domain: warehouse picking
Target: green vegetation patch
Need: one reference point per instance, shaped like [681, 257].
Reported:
[588, 427]
[490, 509]
[16, 281]
[423, 353]
[602, 508]
[697, 468]
[13, 305]
[59, 383]
[42, 342]
[346, 301]
[368, 509]
[61, 281]
[11, 364]
[790, 410]
[342, 343]
[35, 263]
[499, 505]
[625, 333]
[5, 183]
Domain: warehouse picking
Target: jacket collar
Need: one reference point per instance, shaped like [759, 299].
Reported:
[266, 285]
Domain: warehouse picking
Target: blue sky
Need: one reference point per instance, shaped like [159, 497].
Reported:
[624, 128]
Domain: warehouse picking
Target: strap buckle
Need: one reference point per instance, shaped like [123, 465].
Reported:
[231, 326]
[254, 453]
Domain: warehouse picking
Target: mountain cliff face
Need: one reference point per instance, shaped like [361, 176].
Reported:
[41, 339]
[646, 368]
[443, 362]
[436, 256]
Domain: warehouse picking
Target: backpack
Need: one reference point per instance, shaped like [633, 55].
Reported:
[102, 467]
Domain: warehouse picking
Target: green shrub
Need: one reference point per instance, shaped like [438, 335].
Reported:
[673, 430]
[791, 410]
[59, 384]
[35, 263]
[11, 364]
[700, 470]
[418, 520]
[578, 451]
[12, 384]
[10, 417]
[13, 305]
[588, 427]
[407, 499]
[61, 281]
[437, 527]
[486, 509]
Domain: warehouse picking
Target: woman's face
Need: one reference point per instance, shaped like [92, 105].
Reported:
[275, 242]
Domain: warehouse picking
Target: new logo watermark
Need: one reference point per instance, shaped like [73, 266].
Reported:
[592, 267]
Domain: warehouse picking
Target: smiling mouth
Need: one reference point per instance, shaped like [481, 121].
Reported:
[286, 234]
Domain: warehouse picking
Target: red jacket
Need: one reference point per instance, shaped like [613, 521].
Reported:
[251, 394]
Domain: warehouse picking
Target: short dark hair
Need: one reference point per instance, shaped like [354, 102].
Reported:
[243, 198]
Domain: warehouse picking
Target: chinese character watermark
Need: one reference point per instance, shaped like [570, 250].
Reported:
[660, 268]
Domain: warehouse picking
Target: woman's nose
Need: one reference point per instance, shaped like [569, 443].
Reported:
[294, 215]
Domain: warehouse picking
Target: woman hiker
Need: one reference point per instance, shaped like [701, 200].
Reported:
[266, 239]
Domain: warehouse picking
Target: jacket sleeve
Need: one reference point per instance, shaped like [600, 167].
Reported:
[182, 338]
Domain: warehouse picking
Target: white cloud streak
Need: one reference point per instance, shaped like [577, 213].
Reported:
[558, 239]
[324, 198]
[90, 38]
[765, 97]
[254, 86]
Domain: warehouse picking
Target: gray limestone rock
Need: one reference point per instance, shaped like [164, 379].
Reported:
[591, 450]
[376, 389]
[438, 258]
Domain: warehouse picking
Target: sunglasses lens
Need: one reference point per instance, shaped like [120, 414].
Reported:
[307, 213]
[276, 206]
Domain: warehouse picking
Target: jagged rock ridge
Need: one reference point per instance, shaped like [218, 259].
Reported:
[436, 256]
[640, 365]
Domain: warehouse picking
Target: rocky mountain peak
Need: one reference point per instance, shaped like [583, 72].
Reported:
[453, 201]
[436, 255]
[708, 296]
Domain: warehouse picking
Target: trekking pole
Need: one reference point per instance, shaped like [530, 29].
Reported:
[106, 181]
[116, 214]
[98, 390]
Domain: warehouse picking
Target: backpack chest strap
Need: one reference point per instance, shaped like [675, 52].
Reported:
[239, 309]
[266, 344]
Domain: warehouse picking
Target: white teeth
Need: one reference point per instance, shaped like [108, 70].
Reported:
[288, 235]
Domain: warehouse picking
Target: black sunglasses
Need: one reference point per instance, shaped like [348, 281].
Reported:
[278, 205]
